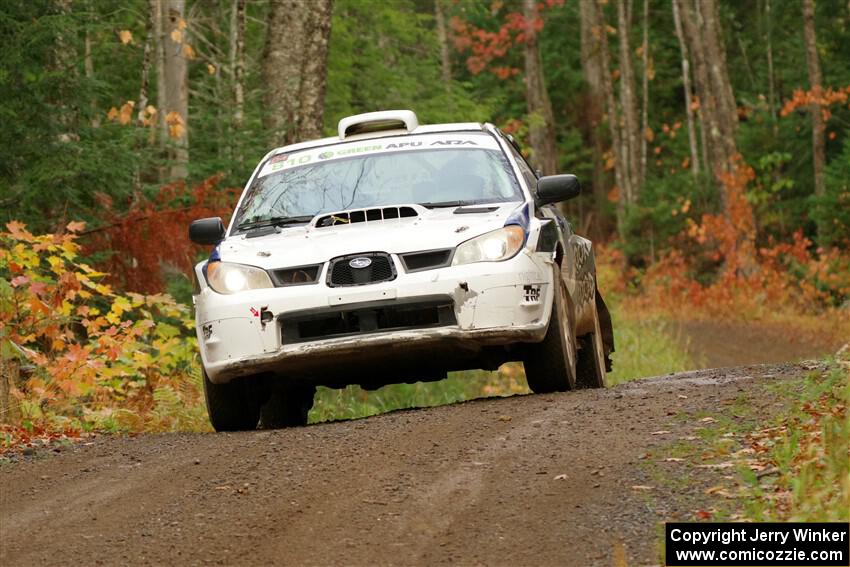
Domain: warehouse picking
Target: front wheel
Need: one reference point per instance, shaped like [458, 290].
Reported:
[590, 366]
[288, 406]
[234, 406]
[550, 365]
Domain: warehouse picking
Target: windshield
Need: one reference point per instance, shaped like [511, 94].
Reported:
[432, 177]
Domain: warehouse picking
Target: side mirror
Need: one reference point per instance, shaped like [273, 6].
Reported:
[207, 231]
[557, 188]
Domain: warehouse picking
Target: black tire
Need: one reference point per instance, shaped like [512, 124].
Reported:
[234, 406]
[550, 365]
[287, 407]
[590, 364]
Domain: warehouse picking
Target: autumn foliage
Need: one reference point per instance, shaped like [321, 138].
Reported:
[484, 46]
[149, 239]
[78, 354]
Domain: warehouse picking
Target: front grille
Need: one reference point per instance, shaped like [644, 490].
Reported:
[436, 311]
[380, 269]
[417, 261]
[300, 275]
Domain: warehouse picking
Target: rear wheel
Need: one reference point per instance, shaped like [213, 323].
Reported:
[590, 365]
[234, 406]
[550, 365]
[287, 407]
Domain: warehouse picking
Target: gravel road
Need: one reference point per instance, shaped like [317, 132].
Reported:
[527, 480]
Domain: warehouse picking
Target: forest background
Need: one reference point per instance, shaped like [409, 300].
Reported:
[712, 138]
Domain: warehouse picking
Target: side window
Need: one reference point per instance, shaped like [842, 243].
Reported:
[527, 173]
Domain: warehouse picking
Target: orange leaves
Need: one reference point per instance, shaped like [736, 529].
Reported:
[816, 97]
[75, 226]
[176, 125]
[126, 36]
[18, 231]
[81, 355]
[123, 116]
[486, 46]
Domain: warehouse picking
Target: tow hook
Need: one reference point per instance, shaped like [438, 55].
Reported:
[266, 316]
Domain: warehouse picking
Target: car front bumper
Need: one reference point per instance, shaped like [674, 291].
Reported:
[493, 303]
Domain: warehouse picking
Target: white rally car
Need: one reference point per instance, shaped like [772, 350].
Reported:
[395, 252]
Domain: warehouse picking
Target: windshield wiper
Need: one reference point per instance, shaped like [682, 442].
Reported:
[442, 204]
[274, 221]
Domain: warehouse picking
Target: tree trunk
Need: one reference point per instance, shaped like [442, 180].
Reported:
[159, 68]
[701, 25]
[541, 117]
[442, 38]
[686, 81]
[644, 122]
[628, 102]
[727, 118]
[720, 137]
[596, 20]
[591, 63]
[237, 73]
[175, 72]
[88, 66]
[771, 81]
[144, 88]
[64, 58]
[295, 69]
[816, 84]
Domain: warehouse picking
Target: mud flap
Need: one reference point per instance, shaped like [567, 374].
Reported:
[607, 329]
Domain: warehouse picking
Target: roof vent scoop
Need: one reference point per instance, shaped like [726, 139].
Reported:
[377, 122]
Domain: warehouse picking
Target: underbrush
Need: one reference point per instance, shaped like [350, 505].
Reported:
[78, 355]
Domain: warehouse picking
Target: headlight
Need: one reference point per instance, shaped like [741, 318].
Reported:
[495, 246]
[227, 278]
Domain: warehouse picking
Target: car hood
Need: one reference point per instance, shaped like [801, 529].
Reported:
[302, 245]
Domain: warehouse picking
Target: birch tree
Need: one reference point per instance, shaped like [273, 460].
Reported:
[294, 69]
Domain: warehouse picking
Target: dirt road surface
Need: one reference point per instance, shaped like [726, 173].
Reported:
[529, 480]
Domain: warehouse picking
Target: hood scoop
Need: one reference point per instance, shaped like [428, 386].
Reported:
[365, 215]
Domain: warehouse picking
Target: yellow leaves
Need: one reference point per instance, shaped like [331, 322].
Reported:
[188, 51]
[103, 289]
[176, 36]
[210, 69]
[121, 305]
[66, 308]
[181, 24]
[649, 134]
[56, 264]
[176, 125]
[126, 36]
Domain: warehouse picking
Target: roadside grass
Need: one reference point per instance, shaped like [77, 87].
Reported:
[809, 449]
[791, 466]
